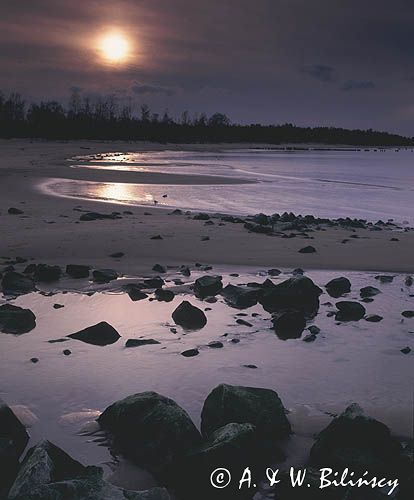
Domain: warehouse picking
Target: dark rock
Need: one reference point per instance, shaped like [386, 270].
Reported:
[409, 281]
[156, 282]
[190, 353]
[58, 306]
[253, 367]
[185, 271]
[91, 216]
[201, 216]
[164, 295]
[67, 352]
[150, 429]
[158, 268]
[30, 269]
[135, 293]
[298, 271]
[408, 314]
[384, 278]
[215, 344]
[210, 300]
[16, 320]
[274, 272]
[258, 228]
[308, 249]
[208, 286]
[189, 316]
[406, 350]
[140, 342]
[240, 297]
[117, 255]
[47, 274]
[77, 271]
[205, 238]
[243, 322]
[309, 338]
[14, 211]
[369, 291]
[34, 360]
[359, 443]
[99, 334]
[245, 405]
[349, 311]
[373, 318]
[16, 283]
[338, 286]
[315, 330]
[289, 324]
[104, 275]
[156, 237]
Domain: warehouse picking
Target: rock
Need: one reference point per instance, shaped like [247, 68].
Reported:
[408, 314]
[201, 216]
[240, 297]
[315, 330]
[185, 271]
[207, 286]
[135, 293]
[373, 318]
[243, 322]
[14, 211]
[99, 334]
[91, 216]
[309, 338]
[43, 464]
[215, 344]
[58, 306]
[158, 268]
[289, 324]
[338, 286]
[77, 271]
[117, 255]
[30, 269]
[47, 274]
[14, 283]
[34, 360]
[140, 342]
[406, 350]
[104, 275]
[13, 441]
[349, 311]
[150, 429]
[164, 295]
[358, 442]
[274, 272]
[369, 291]
[409, 281]
[252, 367]
[384, 278]
[156, 282]
[245, 405]
[67, 352]
[190, 353]
[16, 320]
[156, 237]
[308, 249]
[298, 293]
[189, 316]
[258, 228]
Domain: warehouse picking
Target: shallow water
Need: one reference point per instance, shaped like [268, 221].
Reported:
[355, 361]
[368, 184]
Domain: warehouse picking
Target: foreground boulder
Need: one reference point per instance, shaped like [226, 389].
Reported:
[360, 443]
[100, 334]
[13, 441]
[46, 274]
[349, 311]
[289, 324]
[245, 405]
[338, 286]
[77, 271]
[208, 286]
[150, 429]
[189, 316]
[14, 319]
[14, 283]
[240, 297]
[299, 293]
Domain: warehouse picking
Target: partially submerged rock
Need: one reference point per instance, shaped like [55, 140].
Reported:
[189, 316]
[91, 216]
[77, 271]
[338, 286]
[14, 283]
[100, 334]
[140, 342]
[240, 297]
[163, 295]
[150, 429]
[208, 286]
[373, 318]
[289, 324]
[349, 311]
[369, 291]
[104, 275]
[47, 274]
[14, 319]
[135, 293]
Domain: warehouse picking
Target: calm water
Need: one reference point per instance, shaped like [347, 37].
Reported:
[369, 184]
[356, 361]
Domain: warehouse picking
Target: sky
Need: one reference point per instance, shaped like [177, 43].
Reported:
[343, 63]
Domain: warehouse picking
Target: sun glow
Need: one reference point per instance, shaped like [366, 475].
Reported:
[115, 47]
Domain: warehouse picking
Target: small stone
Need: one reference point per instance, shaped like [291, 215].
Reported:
[67, 352]
[215, 344]
[117, 255]
[253, 367]
[34, 360]
[140, 342]
[408, 314]
[406, 350]
[158, 268]
[308, 249]
[243, 322]
[156, 237]
[190, 353]
[14, 211]
[373, 318]
[58, 306]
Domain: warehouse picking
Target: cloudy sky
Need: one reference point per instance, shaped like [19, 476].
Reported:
[309, 62]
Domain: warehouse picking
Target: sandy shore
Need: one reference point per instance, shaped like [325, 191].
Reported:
[50, 231]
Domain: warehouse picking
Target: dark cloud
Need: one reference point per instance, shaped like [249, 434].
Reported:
[320, 72]
[151, 89]
[358, 85]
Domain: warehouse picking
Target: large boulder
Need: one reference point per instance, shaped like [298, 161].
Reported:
[245, 405]
[338, 286]
[288, 324]
[369, 291]
[360, 443]
[150, 429]
[299, 293]
[13, 441]
[14, 319]
[189, 316]
[164, 295]
[240, 297]
[14, 283]
[100, 334]
[77, 271]
[46, 274]
[43, 464]
[349, 311]
[208, 286]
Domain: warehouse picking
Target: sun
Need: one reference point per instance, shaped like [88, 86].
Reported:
[115, 47]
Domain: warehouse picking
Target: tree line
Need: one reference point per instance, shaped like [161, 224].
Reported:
[105, 118]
